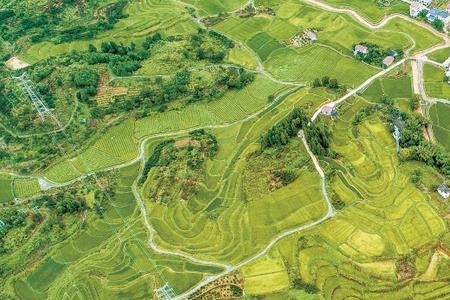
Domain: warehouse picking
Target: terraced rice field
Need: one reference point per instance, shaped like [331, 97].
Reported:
[233, 106]
[440, 116]
[244, 225]
[331, 55]
[263, 44]
[214, 7]
[110, 258]
[316, 61]
[357, 253]
[115, 146]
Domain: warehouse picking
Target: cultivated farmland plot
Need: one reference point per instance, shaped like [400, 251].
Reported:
[208, 156]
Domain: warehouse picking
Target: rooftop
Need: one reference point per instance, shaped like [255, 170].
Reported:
[443, 188]
[438, 13]
[388, 60]
[327, 110]
[312, 35]
[361, 48]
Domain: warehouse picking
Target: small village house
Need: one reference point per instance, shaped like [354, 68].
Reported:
[328, 110]
[361, 49]
[435, 13]
[388, 60]
[312, 35]
[444, 191]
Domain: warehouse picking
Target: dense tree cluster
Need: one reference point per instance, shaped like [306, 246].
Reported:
[331, 83]
[280, 133]
[438, 24]
[318, 137]
[153, 160]
[182, 85]
[413, 144]
[363, 113]
[208, 45]
[62, 203]
[12, 218]
[316, 133]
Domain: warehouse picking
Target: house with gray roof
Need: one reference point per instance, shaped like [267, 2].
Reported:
[444, 191]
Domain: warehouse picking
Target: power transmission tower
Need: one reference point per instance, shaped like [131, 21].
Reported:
[27, 86]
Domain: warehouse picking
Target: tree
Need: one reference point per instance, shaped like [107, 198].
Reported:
[84, 78]
[333, 84]
[325, 80]
[438, 24]
[316, 83]
[92, 48]
[413, 103]
[423, 14]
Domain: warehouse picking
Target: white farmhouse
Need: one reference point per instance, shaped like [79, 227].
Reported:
[444, 191]
[415, 8]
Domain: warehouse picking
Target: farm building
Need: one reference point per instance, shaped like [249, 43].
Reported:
[435, 13]
[388, 60]
[444, 191]
[312, 35]
[424, 2]
[361, 49]
[415, 8]
[329, 110]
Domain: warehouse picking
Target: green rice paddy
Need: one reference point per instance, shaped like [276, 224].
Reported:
[435, 84]
[356, 254]
[385, 216]
[440, 116]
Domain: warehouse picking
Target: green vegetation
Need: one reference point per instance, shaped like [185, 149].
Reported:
[436, 84]
[375, 10]
[389, 237]
[439, 114]
[177, 167]
[64, 22]
[440, 56]
[173, 139]
[376, 55]
[6, 193]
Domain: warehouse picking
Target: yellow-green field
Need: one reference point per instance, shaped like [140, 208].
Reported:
[357, 253]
